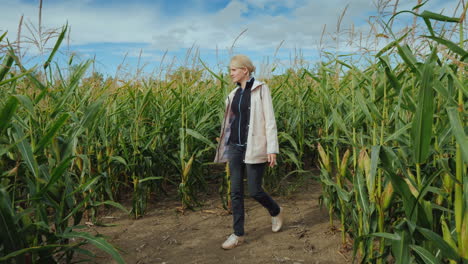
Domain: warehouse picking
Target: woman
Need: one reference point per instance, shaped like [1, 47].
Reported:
[248, 141]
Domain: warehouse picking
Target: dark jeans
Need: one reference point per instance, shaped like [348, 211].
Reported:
[254, 172]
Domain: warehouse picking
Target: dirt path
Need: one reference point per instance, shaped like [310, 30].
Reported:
[167, 236]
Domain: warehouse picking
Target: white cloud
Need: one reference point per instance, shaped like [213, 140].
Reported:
[145, 23]
[89, 24]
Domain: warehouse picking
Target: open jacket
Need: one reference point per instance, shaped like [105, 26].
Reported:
[262, 137]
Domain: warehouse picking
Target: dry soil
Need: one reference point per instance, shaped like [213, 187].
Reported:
[166, 235]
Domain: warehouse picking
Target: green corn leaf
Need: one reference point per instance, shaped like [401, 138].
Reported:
[457, 82]
[446, 234]
[391, 44]
[31, 77]
[395, 238]
[114, 204]
[56, 46]
[212, 73]
[427, 257]
[144, 103]
[362, 105]
[438, 17]
[343, 194]
[441, 89]
[16, 77]
[56, 175]
[418, 6]
[458, 131]
[289, 139]
[69, 90]
[441, 208]
[200, 137]
[26, 103]
[423, 118]
[400, 248]
[377, 117]
[98, 242]
[426, 211]
[375, 152]
[77, 208]
[399, 185]
[85, 187]
[3, 36]
[325, 178]
[91, 114]
[119, 159]
[449, 44]
[339, 123]
[7, 113]
[344, 64]
[5, 66]
[47, 138]
[429, 26]
[445, 249]
[389, 236]
[425, 207]
[70, 60]
[10, 238]
[398, 133]
[8, 148]
[363, 196]
[152, 178]
[42, 94]
[26, 152]
[37, 249]
[465, 192]
[408, 57]
[391, 76]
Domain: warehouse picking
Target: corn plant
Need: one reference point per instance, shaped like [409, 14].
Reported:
[42, 200]
[407, 118]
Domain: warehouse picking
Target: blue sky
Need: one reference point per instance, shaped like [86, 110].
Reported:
[164, 31]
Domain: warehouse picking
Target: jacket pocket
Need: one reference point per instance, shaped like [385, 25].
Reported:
[259, 146]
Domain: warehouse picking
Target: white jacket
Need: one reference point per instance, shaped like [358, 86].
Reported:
[262, 138]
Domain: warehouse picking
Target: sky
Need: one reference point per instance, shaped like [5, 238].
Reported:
[161, 34]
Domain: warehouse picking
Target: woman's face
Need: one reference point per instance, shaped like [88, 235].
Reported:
[238, 74]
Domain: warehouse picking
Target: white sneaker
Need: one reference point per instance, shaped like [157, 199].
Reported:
[233, 241]
[277, 221]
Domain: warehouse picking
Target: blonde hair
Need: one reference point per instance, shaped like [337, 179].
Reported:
[242, 61]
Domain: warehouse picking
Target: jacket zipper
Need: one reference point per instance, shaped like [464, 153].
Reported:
[240, 118]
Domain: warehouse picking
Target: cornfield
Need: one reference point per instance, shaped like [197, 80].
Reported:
[390, 141]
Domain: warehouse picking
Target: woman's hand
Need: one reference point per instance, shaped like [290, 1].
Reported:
[272, 159]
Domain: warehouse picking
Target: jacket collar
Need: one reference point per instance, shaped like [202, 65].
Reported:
[254, 86]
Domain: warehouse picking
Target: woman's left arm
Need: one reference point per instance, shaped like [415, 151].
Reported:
[270, 125]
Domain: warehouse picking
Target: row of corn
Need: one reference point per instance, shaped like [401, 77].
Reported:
[394, 153]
